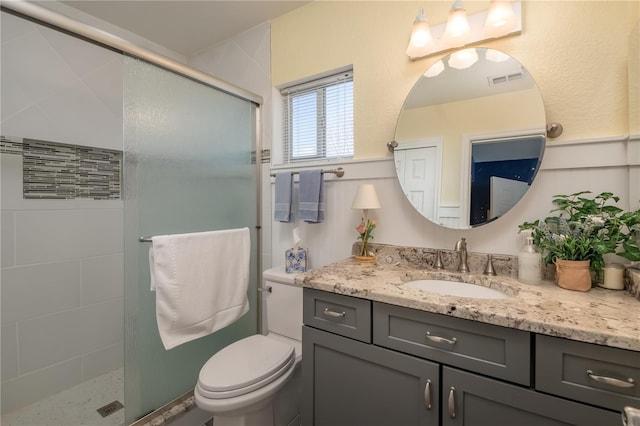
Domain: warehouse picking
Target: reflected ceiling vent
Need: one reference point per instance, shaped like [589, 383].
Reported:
[502, 79]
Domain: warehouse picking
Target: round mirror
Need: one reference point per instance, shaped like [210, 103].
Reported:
[470, 138]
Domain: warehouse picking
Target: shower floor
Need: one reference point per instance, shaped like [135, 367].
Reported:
[75, 406]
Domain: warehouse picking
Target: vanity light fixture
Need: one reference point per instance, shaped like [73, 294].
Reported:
[458, 31]
[421, 43]
[504, 18]
[501, 19]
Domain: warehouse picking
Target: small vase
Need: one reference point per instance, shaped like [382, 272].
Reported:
[573, 274]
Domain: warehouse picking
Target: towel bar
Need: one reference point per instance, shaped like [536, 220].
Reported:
[144, 239]
[339, 172]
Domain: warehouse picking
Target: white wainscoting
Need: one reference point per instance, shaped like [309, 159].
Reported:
[606, 164]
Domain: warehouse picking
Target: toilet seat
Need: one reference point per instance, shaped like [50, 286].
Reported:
[245, 366]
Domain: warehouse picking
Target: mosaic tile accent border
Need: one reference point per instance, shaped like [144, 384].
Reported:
[60, 171]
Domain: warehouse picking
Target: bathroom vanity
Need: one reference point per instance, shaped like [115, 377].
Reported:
[378, 352]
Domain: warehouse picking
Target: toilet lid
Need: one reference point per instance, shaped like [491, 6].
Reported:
[245, 363]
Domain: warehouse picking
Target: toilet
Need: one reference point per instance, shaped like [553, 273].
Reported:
[256, 381]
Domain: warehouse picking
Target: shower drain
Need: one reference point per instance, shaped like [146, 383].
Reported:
[110, 408]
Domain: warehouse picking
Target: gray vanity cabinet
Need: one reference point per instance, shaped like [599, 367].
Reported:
[371, 363]
[350, 383]
[473, 400]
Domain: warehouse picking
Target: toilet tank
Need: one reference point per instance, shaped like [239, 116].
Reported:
[283, 304]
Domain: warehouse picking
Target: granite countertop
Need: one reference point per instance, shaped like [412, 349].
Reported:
[600, 316]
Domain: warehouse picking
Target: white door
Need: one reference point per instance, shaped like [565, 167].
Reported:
[420, 178]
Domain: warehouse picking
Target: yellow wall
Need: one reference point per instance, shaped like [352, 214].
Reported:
[575, 50]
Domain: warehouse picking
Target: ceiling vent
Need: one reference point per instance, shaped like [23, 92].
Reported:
[501, 79]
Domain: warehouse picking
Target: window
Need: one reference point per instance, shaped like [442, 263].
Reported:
[318, 119]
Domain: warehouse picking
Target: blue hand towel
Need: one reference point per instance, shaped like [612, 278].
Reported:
[311, 196]
[282, 211]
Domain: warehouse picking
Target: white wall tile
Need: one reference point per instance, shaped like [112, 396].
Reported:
[106, 83]
[102, 361]
[12, 27]
[24, 59]
[10, 180]
[53, 338]
[78, 99]
[102, 278]
[7, 243]
[9, 354]
[81, 118]
[35, 290]
[58, 235]
[29, 388]
[80, 56]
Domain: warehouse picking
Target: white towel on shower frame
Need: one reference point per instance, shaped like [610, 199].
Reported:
[201, 281]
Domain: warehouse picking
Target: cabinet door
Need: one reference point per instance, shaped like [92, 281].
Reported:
[350, 383]
[473, 400]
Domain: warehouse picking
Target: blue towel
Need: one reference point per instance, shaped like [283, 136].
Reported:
[311, 196]
[282, 211]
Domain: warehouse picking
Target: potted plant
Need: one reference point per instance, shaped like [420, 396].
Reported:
[584, 230]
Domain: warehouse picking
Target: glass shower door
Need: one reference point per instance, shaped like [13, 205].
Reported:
[188, 168]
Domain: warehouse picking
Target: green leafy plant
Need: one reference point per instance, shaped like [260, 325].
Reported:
[586, 229]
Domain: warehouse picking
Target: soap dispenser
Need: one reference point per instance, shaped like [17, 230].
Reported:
[529, 263]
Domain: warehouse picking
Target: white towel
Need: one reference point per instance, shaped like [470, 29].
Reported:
[201, 282]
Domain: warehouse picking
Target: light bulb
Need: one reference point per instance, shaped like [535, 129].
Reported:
[421, 42]
[457, 32]
[501, 19]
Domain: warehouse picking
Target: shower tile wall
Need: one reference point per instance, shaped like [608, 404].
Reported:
[62, 260]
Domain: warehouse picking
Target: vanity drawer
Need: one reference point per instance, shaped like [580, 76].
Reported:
[344, 315]
[499, 352]
[599, 375]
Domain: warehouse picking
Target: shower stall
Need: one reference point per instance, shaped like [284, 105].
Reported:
[99, 147]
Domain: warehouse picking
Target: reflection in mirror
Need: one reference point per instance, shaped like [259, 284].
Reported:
[470, 138]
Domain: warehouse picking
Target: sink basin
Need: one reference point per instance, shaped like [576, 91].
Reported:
[455, 288]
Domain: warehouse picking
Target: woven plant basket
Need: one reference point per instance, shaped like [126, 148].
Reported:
[573, 274]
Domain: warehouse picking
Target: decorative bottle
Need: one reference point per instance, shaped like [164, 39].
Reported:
[529, 263]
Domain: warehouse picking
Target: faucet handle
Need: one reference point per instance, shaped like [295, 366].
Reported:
[438, 262]
[488, 270]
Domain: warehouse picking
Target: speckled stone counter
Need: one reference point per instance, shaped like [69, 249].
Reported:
[601, 316]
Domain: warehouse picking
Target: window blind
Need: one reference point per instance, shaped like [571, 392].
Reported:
[318, 119]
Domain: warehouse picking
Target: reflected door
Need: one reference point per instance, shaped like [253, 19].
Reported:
[420, 178]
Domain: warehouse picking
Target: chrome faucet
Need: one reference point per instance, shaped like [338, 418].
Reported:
[461, 247]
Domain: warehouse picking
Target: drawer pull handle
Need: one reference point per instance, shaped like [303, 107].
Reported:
[333, 314]
[439, 339]
[629, 383]
[427, 395]
[452, 403]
